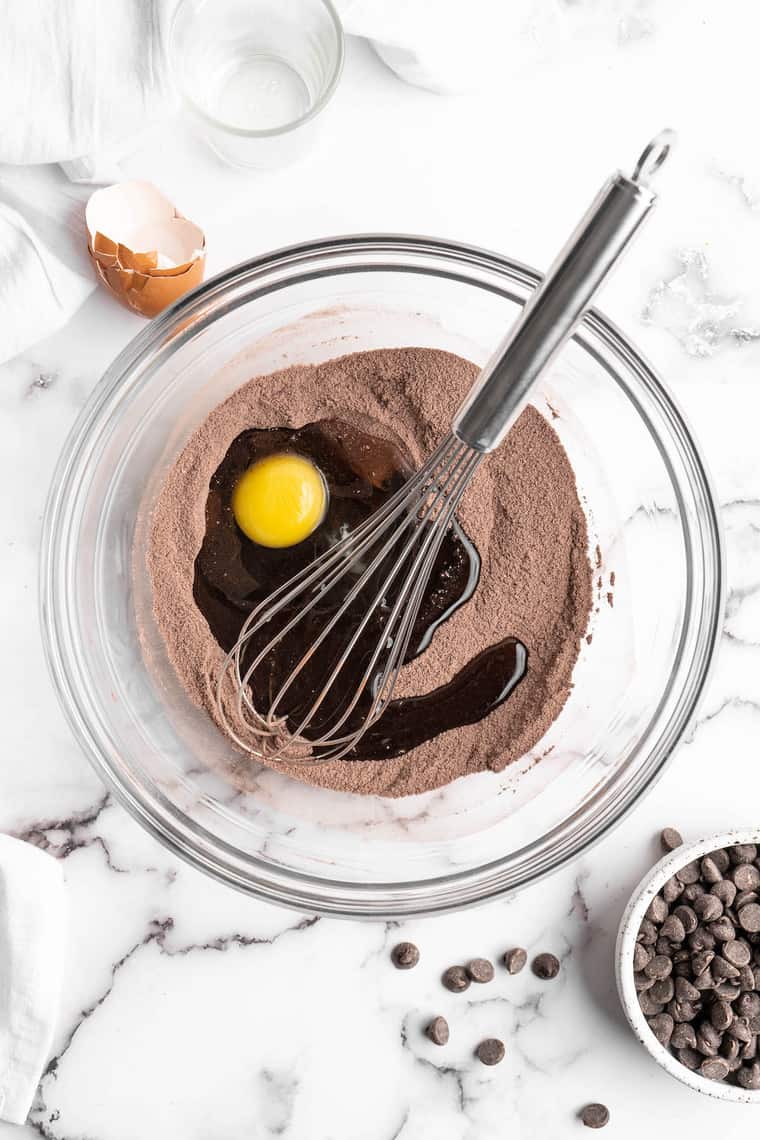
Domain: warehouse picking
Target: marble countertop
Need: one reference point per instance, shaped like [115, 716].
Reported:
[193, 1013]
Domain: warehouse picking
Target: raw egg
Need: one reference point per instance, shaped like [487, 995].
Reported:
[280, 500]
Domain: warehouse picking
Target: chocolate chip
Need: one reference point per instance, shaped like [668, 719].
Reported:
[649, 1007]
[662, 991]
[714, 1068]
[546, 966]
[748, 1005]
[480, 970]
[438, 1031]
[708, 1039]
[721, 1015]
[685, 991]
[641, 955]
[490, 1051]
[749, 1076]
[746, 877]
[670, 838]
[740, 1030]
[730, 1048]
[686, 915]
[746, 979]
[728, 991]
[659, 967]
[662, 1026]
[737, 953]
[709, 870]
[721, 969]
[743, 853]
[701, 960]
[749, 918]
[693, 891]
[515, 959]
[689, 1057]
[743, 899]
[749, 1048]
[456, 979]
[684, 1036]
[597, 1115]
[678, 1010]
[721, 860]
[704, 981]
[647, 934]
[657, 911]
[405, 955]
[688, 874]
[725, 890]
[672, 890]
[708, 907]
[701, 939]
[673, 929]
[724, 930]
[663, 946]
[643, 982]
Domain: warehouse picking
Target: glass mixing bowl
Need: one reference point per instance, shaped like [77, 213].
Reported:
[653, 522]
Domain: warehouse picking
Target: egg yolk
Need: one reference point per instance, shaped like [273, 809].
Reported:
[280, 500]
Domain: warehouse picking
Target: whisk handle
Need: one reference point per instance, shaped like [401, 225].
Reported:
[553, 312]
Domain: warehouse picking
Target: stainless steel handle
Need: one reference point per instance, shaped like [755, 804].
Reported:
[552, 314]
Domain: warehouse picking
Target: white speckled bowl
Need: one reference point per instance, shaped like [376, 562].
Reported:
[637, 906]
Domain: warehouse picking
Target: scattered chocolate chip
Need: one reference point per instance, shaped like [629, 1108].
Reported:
[597, 1115]
[740, 1030]
[692, 891]
[456, 979]
[701, 939]
[405, 956]
[662, 991]
[728, 991]
[490, 1051]
[643, 982]
[748, 1005]
[689, 1057]
[546, 966]
[649, 1007]
[724, 930]
[662, 1026]
[708, 1039]
[670, 838]
[721, 969]
[515, 959]
[480, 970]
[749, 918]
[438, 1031]
[743, 853]
[746, 979]
[743, 898]
[701, 960]
[678, 1010]
[715, 1068]
[663, 946]
[721, 860]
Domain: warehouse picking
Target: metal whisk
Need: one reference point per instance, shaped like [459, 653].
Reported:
[381, 569]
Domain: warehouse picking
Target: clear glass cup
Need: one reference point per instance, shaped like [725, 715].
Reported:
[255, 74]
[636, 686]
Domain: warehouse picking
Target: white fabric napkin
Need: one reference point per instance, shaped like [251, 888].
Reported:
[32, 918]
[80, 80]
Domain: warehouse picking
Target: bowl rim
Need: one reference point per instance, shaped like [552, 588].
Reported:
[297, 889]
[625, 943]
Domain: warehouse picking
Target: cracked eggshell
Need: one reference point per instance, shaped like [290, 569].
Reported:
[143, 250]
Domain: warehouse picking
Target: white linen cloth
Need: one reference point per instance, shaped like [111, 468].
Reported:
[32, 930]
[80, 79]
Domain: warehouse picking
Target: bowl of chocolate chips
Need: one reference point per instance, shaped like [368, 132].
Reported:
[688, 963]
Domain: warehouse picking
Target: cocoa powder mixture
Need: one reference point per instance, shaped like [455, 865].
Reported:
[522, 511]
